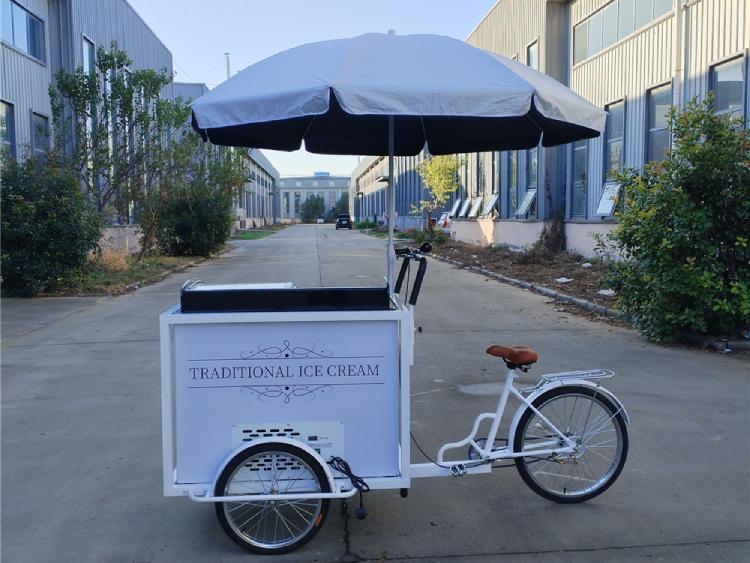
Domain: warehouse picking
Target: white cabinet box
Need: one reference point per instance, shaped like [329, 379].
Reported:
[336, 380]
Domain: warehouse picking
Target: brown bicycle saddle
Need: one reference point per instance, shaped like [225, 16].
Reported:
[521, 355]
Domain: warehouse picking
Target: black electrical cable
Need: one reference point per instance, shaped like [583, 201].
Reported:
[358, 483]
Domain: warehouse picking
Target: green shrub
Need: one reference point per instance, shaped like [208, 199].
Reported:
[312, 208]
[366, 224]
[682, 236]
[48, 228]
[407, 234]
[435, 237]
[195, 221]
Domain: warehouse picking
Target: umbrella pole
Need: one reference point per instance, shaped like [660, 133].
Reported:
[391, 197]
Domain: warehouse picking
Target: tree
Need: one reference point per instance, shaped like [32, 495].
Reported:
[312, 208]
[342, 205]
[48, 228]
[683, 233]
[114, 129]
[440, 177]
[136, 155]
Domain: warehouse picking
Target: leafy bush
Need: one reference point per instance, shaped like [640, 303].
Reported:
[407, 234]
[683, 233]
[312, 208]
[195, 220]
[435, 237]
[366, 224]
[48, 228]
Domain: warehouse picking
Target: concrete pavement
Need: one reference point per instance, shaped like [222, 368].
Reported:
[81, 455]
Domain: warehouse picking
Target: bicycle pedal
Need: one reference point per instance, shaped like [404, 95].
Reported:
[458, 470]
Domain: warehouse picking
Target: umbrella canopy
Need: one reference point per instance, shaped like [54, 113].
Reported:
[338, 96]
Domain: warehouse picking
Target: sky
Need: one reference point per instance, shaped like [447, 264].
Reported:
[199, 32]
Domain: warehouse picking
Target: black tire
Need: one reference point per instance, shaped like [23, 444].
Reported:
[251, 456]
[612, 471]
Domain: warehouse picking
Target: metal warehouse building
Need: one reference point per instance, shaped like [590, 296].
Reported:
[40, 37]
[633, 58]
[294, 190]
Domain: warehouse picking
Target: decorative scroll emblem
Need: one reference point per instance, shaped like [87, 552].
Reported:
[286, 392]
[285, 350]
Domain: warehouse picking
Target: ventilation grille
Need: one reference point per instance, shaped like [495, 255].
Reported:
[283, 463]
[249, 434]
[325, 437]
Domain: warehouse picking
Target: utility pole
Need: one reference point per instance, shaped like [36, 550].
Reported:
[226, 58]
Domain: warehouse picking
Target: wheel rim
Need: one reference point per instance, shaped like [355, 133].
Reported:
[272, 524]
[596, 430]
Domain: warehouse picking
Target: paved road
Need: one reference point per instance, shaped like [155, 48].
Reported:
[81, 448]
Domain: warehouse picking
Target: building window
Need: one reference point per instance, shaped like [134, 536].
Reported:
[39, 134]
[614, 145]
[609, 25]
[580, 178]
[89, 56]
[297, 196]
[532, 55]
[23, 30]
[657, 142]
[512, 182]
[616, 20]
[625, 18]
[580, 42]
[7, 128]
[727, 82]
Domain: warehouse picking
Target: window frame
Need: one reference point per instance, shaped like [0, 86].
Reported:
[743, 61]
[12, 141]
[28, 15]
[607, 138]
[572, 213]
[648, 130]
[599, 12]
[84, 40]
[34, 149]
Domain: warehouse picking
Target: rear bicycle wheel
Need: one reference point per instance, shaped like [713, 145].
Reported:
[272, 527]
[597, 427]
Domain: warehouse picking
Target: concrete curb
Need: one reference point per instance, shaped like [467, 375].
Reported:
[588, 305]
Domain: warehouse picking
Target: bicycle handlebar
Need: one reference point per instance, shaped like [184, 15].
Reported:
[409, 255]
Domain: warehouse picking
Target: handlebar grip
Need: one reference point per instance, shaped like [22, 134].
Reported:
[401, 275]
[418, 281]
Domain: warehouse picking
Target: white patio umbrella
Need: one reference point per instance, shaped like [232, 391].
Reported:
[379, 94]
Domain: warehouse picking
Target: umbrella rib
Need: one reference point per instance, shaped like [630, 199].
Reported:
[314, 117]
[424, 132]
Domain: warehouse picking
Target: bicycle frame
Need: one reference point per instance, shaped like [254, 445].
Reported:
[487, 453]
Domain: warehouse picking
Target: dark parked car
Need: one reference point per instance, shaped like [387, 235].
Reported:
[344, 222]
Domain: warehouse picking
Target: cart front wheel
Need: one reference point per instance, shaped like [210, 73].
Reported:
[272, 527]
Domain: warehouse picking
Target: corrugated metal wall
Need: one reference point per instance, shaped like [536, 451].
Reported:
[626, 71]
[104, 21]
[24, 80]
[189, 91]
[508, 30]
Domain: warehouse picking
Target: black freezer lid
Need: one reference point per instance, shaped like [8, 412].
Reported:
[196, 297]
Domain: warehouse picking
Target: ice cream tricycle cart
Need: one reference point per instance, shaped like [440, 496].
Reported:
[277, 399]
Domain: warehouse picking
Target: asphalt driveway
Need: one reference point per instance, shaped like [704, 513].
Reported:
[81, 444]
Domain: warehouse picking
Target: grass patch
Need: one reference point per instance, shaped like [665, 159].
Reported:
[255, 234]
[252, 235]
[124, 275]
